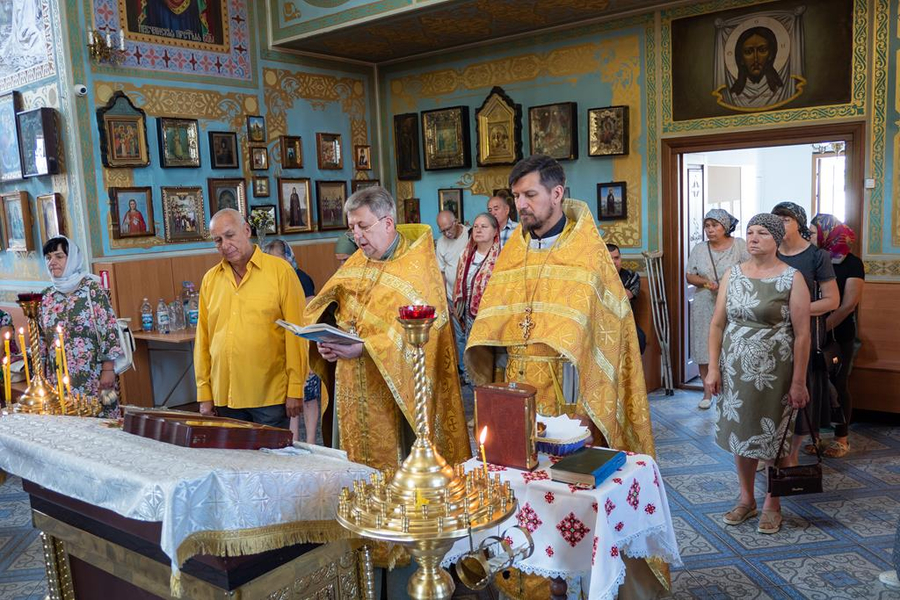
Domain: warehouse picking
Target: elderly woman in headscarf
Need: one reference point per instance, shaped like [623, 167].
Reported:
[815, 266]
[836, 238]
[312, 391]
[758, 347]
[81, 308]
[707, 263]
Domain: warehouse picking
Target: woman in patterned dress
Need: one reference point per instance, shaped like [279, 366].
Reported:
[707, 263]
[758, 349]
[78, 303]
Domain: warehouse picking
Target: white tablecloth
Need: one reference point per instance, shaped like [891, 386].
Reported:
[189, 490]
[581, 534]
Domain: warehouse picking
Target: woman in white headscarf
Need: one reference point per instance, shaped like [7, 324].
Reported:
[707, 264]
[78, 304]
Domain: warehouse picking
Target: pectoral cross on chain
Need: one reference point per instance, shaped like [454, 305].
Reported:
[526, 324]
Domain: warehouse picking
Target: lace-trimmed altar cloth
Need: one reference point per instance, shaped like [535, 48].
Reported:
[221, 502]
[580, 534]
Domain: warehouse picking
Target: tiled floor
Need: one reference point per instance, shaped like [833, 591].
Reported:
[832, 546]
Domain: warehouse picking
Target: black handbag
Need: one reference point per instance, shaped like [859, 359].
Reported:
[827, 357]
[802, 479]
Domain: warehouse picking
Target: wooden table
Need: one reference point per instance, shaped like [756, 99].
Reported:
[170, 353]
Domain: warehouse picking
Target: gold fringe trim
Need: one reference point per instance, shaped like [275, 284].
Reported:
[243, 542]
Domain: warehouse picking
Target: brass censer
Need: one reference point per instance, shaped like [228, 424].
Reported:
[428, 504]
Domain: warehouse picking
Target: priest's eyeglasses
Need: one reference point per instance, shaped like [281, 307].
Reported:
[363, 229]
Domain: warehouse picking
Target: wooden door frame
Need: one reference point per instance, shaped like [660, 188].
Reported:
[671, 155]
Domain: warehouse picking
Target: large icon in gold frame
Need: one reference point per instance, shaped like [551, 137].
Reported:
[123, 133]
[499, 130]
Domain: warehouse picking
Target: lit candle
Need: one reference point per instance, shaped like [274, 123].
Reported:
[122, 40]
[108, 40]
[62, 402]
[90, 38]
[59, 371]
[59, 386]
[6, 348]
[7, 388]
[481, 439]
[24, 350]
[62, 344]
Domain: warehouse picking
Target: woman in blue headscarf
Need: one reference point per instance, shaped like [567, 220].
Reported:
[707, 264]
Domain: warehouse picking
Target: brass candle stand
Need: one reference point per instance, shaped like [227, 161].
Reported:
[40, 397]
[428, 504]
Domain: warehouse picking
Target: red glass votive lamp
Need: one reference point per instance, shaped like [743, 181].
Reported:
[418, 311]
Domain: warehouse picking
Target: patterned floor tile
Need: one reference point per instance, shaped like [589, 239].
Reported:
[866, 517]
[703, 488]
[795, 530]
[682, 454]
[884, 468]
[691, 542]
[860, 443]
[663, 433]
[843, 576]
[685, 587]
[15, 513]
[834, 480]
[19, 590]
[737, 581]
[32, 558]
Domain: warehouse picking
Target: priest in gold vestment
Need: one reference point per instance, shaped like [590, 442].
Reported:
[555, 315]
[394, 266]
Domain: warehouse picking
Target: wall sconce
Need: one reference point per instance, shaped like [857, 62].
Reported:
[101, 48]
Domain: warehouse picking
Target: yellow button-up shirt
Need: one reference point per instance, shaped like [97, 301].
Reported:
[242, 359]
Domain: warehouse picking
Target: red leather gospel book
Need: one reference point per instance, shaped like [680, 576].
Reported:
[508, 411]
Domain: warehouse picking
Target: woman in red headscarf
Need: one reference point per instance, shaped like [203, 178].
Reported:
[836, 238]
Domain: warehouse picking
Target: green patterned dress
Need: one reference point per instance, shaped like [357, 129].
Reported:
[756, 364]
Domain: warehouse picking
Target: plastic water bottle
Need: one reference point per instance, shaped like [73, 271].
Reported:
[146, 316]
[187, 288]
[193, 312]
[162, 317]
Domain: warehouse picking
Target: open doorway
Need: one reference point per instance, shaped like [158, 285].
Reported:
[818, 167]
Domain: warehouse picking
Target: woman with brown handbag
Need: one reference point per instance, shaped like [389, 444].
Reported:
[758, 350]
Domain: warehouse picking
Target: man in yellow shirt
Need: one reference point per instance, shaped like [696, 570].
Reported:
[246, 366]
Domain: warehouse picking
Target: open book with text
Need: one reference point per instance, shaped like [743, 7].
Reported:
[320, 332]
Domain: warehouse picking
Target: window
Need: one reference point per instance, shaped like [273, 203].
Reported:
[829, 169]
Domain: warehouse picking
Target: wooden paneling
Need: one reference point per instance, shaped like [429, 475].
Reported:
[317, 260]
[192, 268]
[875, 380]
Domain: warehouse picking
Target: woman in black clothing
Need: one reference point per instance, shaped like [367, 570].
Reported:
[836, 238]
[815, 266]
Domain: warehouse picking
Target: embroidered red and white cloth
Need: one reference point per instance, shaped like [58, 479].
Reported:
[580, 534]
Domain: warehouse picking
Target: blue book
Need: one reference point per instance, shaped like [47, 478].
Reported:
[588, 466]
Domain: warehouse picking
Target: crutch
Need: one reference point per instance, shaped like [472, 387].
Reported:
[660, 312]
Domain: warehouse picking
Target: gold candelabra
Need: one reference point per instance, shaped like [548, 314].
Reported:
[428, 504]
[103, 49]
[40, 397]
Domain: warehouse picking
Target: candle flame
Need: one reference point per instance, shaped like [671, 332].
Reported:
[4, 360]
[58, 328]
[6, 336]
[483, 435]
[58, 345]
[21, 331]
[66, 379]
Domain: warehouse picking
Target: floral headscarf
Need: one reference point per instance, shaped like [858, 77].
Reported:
[834, 236]
[796, 212]
[770, 222]
[724, 217]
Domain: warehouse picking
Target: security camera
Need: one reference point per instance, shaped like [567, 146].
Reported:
[80, 89]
